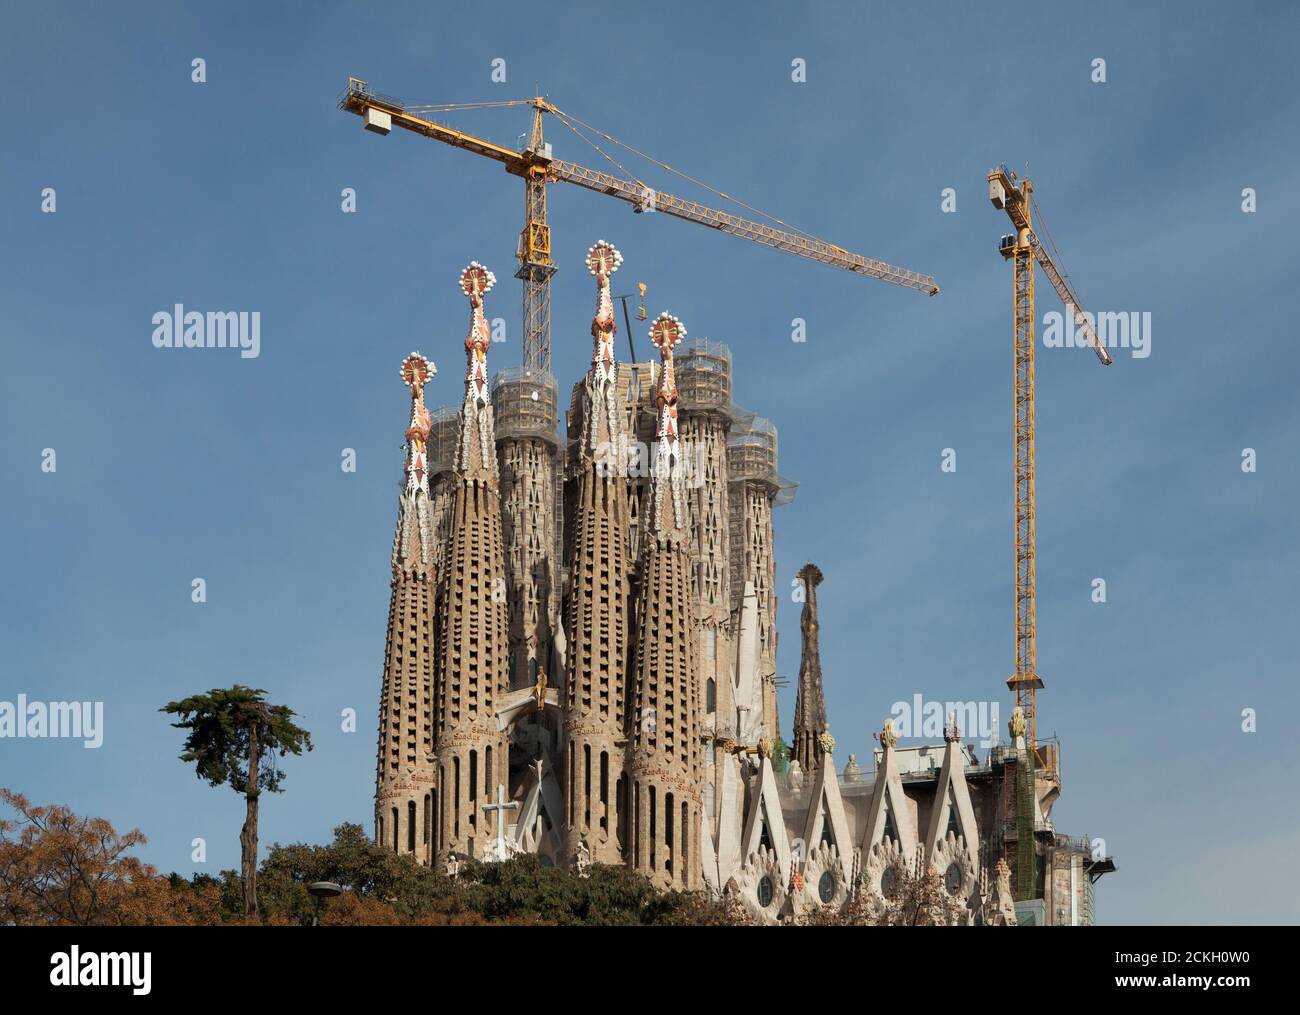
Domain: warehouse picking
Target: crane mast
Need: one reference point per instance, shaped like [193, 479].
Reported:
[534, 252]
[1023, 249]
[1025, 680]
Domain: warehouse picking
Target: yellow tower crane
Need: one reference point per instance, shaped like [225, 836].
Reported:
[537, 167]
[1023, 248]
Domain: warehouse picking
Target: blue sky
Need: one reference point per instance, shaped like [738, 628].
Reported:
[226, 195]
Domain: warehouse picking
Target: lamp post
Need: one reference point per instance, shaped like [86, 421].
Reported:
[320, 891]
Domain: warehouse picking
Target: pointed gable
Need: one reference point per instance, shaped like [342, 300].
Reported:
[765, 823]
[826, 821]
[952, 809]
[888, 802]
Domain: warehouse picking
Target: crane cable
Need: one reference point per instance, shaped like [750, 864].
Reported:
[569, 120]
[447, 107]
[1055, 254]
[565, 117]
[623, 169]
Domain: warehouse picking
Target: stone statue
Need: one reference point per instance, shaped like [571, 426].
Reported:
[1002, 905]
[852, 773]
[583, 859]
[1018, 726]
[453, 865]
[539, 690]
[795, 776]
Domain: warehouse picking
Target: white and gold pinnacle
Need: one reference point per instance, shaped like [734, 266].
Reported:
[603, 259]
[476, 281]
[667, 332]
[417, 370]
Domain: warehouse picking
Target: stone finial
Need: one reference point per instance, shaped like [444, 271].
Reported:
[1017, 725]
[603, 260]
[811, 576]
[476, 282]
[951, 731]
[852, 773]
[476, 457]
[764, 747]
[666, 333]
[416, 372]
[667, 491]
[888, 735]
[826, 742]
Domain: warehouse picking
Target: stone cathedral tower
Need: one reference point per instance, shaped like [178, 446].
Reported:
[472, 616]
[755, 489]
[524, 400]
[703, 371]
[665, 755]
[598, 621]
[810, 701]
[404, 775]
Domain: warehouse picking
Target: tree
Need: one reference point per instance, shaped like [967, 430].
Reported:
[361, 867]
[58, 868]
[920, 898]
[233, 732]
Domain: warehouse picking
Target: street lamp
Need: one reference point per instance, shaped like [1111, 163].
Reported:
[321, 890]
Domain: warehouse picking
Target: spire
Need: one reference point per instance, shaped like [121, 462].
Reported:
[665, 754]
[476, 459]
[602, 417]
[404, 771]
[416, 372]
[472, 617]
[598, 609]
[668, 517]
[810, 703]
[602, 261]
[413, 542]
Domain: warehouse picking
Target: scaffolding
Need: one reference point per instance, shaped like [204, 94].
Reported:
[444, 433]
[1026, 845]
[703, 373]
[752, 457]
[524, 404]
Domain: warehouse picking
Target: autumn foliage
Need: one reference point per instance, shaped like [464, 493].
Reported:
[59, 868]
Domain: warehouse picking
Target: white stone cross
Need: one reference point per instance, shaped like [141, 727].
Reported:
[501, 807]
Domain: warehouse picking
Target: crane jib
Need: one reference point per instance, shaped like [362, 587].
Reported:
[359, 98]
